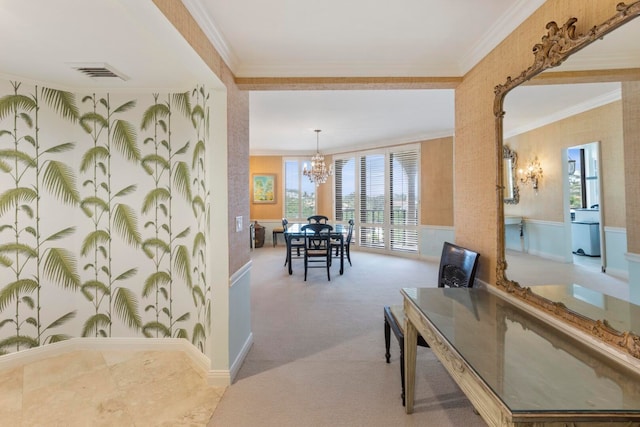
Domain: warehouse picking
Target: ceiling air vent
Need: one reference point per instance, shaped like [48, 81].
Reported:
[99, 71]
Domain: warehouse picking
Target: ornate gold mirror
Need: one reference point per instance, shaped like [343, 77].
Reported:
[560, 43]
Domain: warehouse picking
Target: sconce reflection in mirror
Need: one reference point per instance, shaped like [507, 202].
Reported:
[572, 166]
[532, 174]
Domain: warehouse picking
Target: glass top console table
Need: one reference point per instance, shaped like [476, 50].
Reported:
[515, 369]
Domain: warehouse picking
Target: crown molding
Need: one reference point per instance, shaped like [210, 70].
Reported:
[607, 98]
[199, 12]
[505, 25]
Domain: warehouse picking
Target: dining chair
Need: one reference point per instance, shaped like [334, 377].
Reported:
[457, 270]
[274, 234]
[345, 245]
[317, 219]
[317, 247]
[292, 243]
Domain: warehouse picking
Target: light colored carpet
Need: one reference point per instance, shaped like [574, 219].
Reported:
[318, 353]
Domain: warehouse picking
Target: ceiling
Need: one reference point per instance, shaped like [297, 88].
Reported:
[357, 37]
[43, 41]
[334, 38]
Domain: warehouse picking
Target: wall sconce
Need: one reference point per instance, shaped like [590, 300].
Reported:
[572, 166]
[532, 174]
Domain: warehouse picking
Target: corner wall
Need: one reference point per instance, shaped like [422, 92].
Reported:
[235, 172]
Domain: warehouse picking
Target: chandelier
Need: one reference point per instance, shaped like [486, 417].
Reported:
[319, 171]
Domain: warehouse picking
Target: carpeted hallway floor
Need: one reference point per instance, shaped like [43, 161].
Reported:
[318, 353]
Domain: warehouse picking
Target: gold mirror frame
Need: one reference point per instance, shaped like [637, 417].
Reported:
[553, 50]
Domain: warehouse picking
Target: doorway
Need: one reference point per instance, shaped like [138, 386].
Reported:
[584, 205]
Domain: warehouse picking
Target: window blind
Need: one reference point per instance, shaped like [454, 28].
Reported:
[372, 200]
[404, 200]
[382, 188]
[345, 189]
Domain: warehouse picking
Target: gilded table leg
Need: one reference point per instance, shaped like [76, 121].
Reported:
[410, 352]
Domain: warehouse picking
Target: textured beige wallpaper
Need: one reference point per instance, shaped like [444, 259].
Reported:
[436, 202]
[238, 169]
[476, 157]
[631, 111]
[603, 124]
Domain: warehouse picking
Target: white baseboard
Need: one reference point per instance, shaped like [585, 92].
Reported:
[237, 364]
[21, 358]
[429, 258]
[223, 377]
[618, 273]
[556, 258]
[219, 378]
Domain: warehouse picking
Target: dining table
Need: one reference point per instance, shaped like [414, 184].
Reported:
[294, 231]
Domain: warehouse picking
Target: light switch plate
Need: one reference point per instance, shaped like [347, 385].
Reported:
[238, 224]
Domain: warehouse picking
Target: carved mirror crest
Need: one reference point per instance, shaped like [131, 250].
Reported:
[560, 43]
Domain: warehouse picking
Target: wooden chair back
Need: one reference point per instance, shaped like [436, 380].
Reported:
[320, 219]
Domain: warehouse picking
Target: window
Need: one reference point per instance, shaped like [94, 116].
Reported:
[382, 187]
[345, 202]
[583, 182]
[299, 192]
[577, 195]
[403, 192]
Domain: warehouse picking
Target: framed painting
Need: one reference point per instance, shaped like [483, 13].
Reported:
[264, 188]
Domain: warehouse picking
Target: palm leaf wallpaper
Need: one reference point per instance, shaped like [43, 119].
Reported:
[104, 211]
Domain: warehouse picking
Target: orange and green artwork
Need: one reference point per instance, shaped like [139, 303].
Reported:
[264, 188]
